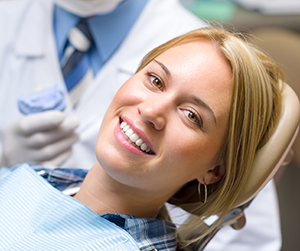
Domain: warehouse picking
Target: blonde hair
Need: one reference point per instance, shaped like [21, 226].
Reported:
[255, 110]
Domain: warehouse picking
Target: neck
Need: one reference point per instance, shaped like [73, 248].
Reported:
[102, 194]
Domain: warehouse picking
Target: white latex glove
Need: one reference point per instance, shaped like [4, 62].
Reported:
[45, 137]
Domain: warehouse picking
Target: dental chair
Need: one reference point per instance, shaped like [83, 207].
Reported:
[267, 162]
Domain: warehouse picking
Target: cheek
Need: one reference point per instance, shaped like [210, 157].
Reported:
[186, 161]
[102, 139]
[191, 150]
[130, 93]
[104, 150]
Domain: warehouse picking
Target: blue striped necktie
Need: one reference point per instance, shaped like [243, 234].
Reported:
[75, 62]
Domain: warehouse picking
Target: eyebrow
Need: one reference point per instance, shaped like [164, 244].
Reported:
[206, 106]
[199, 101]
[164, 68]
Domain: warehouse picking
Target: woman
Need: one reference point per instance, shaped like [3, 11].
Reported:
[193, 116]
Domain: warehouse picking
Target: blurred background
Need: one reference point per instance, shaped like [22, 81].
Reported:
[274, 26]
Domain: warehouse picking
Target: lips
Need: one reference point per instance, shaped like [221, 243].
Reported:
[134, 138]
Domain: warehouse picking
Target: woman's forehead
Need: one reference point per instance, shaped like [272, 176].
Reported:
[195, 50]
[198, 67]
[197, 58]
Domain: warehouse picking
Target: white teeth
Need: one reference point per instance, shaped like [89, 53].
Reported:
[129, 132]
[126, 128]
[134, 137]
[143, 146]
[139, 142]
[123, 124]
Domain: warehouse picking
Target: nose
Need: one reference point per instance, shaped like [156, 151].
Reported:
[154, 112]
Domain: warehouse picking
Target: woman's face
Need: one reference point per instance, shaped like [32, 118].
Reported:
[178, 105]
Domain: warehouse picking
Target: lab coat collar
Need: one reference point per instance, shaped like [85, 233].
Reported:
[34, 29]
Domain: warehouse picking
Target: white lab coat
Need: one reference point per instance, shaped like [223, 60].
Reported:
[28, 60]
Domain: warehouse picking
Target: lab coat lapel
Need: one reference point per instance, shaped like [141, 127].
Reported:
[36, 48]
[29, 42]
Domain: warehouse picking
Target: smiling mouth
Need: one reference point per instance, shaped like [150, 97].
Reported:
[134, 139]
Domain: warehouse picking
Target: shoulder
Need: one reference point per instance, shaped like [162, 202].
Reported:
[4, 172]
[15, 10]
[14, 15]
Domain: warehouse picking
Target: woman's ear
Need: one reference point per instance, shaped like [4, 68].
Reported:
[213, 175]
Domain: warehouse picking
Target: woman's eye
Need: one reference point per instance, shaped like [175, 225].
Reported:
[193, 118]
[155, 81]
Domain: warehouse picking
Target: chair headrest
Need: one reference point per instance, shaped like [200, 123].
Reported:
[269, 158]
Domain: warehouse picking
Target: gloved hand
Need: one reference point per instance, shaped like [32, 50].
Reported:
[45, 137]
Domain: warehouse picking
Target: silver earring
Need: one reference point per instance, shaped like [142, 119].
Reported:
[205, 192]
